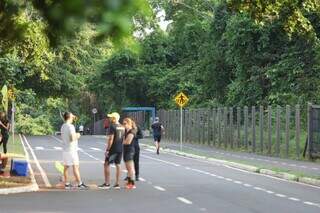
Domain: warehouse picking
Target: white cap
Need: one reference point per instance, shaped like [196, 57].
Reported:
[114, 115]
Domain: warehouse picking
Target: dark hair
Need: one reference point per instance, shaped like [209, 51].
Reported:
[67, 115]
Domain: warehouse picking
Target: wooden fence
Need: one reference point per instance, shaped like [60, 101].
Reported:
[271, 131]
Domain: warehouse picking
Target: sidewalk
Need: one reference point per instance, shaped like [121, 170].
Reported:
[299, 168]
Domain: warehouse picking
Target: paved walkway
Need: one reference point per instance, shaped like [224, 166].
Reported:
[293, 166]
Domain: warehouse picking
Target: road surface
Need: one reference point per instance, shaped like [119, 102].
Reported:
[169, 184]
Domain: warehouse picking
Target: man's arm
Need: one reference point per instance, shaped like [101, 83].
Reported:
[109, 142]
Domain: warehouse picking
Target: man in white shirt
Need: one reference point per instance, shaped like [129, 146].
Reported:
[70, 150]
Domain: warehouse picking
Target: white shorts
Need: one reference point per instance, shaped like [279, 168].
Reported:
[70, 158]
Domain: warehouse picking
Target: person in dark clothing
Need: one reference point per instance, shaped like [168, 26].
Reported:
[4, 128]
[157, 129]
[128, 149]
[4, 161]
[136, 157]
[113, 154]
[137, 152]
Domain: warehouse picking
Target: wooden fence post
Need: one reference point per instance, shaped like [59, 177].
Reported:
[269, 130]
[298, 131]
[287, 130]
[261, 126]
[278, 136]
[238, 126]
[246, 127]
[231, 128]
[253, 118]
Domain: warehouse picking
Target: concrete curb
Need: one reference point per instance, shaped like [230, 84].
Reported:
[28, 188]
[246, 167]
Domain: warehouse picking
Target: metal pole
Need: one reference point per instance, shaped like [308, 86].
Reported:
[13, 111]
[181, 129]
[94, 121]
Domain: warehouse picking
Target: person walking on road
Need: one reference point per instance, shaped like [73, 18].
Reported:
[157, 129]
[70, 150]
[81, 129]
[113, 154]
[128, 149]
[4, 127]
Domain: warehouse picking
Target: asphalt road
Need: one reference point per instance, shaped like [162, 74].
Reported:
[169, 184]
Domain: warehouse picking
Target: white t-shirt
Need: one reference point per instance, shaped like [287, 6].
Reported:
[81, 128]
[66, 131]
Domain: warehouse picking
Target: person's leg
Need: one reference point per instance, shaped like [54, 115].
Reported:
[65, 174]
[107, 173]
[118, 168]
[5, 142]
[136, 161]
[4, 160]
[76, 173]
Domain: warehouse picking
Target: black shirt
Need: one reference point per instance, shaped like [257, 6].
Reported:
[156, 127]
[131, 131]
[118, 132]
[4, 131]
[139, 135]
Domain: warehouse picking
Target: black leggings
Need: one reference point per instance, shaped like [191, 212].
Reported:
[136, 159]
[4, 141]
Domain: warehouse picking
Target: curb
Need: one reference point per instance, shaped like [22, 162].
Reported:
[28, 188]
[246, 167]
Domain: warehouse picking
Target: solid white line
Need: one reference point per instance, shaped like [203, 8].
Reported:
[29, 164]
[43, 174]
[159, 188]
[184, 200]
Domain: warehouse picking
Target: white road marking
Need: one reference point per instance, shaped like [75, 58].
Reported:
[247, 185]
[95, 149]
[142, 179]
[42, 173]
[39, 148]
[229, 179]
[184, 200]
[270, 192]
[237, 182]
[310, 203]
[294, 199]
[57, 148]
[163, 161]
[280, 195]
[159, 188]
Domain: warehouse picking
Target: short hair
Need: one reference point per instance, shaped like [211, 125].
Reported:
[67, 116]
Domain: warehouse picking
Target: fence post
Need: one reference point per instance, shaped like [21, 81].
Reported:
[253, 118]
[298, 131]
[261, 126]
[214, 118]
[219, 126]
[238, 126]
[231, 127]
[246, 127]
[287, 130]
[278, 136]
[225, 127]
[269, 130]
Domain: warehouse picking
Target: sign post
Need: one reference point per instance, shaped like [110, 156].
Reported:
[181, 100]
[94, 112]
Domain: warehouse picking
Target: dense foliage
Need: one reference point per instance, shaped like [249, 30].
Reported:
[220, 52]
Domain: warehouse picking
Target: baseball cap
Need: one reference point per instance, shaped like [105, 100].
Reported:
[114, 115]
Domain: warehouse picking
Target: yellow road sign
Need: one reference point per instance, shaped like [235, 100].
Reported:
[181, 99]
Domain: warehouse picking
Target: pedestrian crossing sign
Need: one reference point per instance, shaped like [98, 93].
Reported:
[181, 99]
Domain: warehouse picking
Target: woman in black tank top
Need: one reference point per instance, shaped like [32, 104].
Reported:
[4, 128]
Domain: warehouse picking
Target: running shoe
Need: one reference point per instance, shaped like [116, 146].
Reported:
[83, 186]
[116, 186]
[104, 186]
[67, 186]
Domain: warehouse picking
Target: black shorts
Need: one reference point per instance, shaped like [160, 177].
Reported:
[128, 154]
[157, 138]
[113, 158]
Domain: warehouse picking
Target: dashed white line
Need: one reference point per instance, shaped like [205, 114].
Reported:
[142, 179]
[237, 182]
[294, 199]
[280, 195]
[247, 185]
[184, 200]
[270, 192]
[39, 148]
[57, 148]
[159, 188]
[95, 149]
